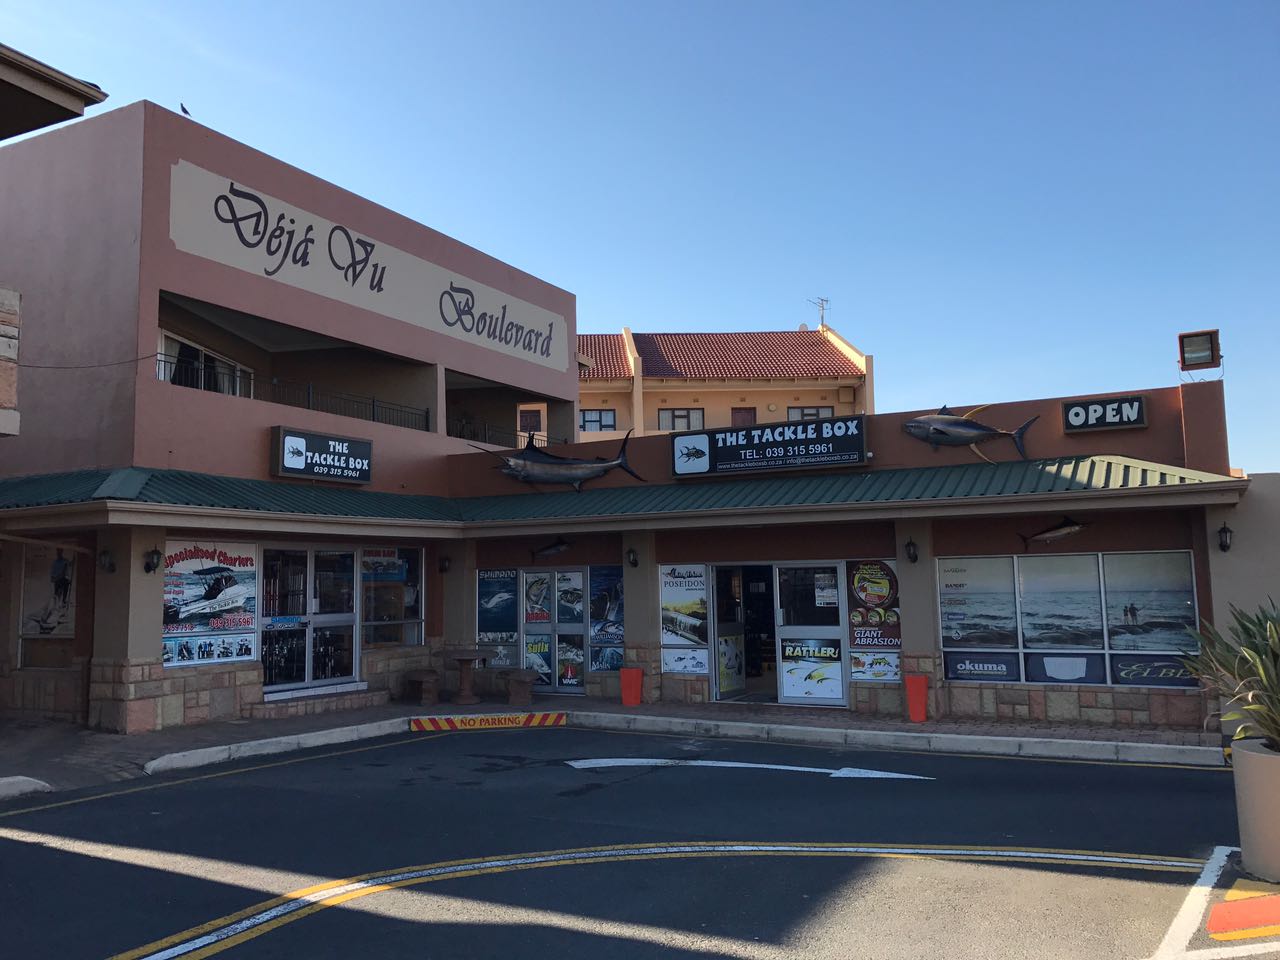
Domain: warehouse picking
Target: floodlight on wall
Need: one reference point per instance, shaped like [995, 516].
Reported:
[1199, 350]
[633, 558]
[913, 552]
[151, 560]
[1224, 538]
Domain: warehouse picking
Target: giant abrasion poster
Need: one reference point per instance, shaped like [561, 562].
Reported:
[497, 612]
[875, 621]
[1151, 601]
[48, 591]
[210, 601]
[977, 602]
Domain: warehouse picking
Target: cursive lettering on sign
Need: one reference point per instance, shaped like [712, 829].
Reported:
[458, 309]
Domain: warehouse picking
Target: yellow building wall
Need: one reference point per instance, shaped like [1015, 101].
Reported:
[717, 403]
[617, 399]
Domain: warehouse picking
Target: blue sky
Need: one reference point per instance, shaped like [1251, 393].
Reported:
[1001, 200]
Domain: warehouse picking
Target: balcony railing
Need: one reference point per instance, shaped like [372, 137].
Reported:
[483, 432]
[220, 377]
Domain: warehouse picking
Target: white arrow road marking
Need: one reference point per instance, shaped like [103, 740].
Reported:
[848, 772]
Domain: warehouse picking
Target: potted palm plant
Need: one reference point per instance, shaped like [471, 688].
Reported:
[1245, 670]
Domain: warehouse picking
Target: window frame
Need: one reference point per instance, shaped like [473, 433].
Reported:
[800, 414]
[687, 413]
[599, 419]
[242, 374]
[419, 621]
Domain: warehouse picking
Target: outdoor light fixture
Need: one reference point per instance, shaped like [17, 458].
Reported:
[1224, 538]
[913, 552]
[1199, 350]
[444, 564]
[633, 559]
[106, 562]
[151, 560]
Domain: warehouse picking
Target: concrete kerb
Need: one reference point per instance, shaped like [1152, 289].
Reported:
[11, 787]
[1040, 747]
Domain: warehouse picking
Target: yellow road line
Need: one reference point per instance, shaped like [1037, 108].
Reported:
[218, 935]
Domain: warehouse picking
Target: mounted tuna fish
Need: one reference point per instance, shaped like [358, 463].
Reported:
[533, 465]
[945, 429]
[1064, 529]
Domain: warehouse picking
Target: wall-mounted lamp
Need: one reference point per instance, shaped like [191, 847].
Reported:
[106, 562]
[633, 558]
[1199, 350]
[444, 564]
[1224, 538]
[151, 560]
[913, 552]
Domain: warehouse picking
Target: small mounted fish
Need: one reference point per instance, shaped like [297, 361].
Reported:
[533, 465]
[558, 545]
[946, 429]
[1064, 529]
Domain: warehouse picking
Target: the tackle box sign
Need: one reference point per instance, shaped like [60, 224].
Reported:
[794, 445]
[318, 456]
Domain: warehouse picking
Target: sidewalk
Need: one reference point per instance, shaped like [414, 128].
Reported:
[68, 757]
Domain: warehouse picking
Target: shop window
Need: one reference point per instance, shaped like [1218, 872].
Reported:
[391, 595]
[810, 413]
[1117, 618]
[680, 418]
[186, 364]
[595, 420]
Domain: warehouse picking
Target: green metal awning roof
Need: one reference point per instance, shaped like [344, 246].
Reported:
[1073, 477]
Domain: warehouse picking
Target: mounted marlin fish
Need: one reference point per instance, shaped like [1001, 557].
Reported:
[945, 429]
[533, 465]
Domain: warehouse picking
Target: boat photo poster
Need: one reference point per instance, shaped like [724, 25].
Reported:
[210, 601]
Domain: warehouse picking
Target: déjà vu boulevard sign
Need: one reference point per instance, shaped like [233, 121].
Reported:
[223, 220]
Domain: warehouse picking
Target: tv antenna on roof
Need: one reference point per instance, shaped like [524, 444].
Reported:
[821, 304]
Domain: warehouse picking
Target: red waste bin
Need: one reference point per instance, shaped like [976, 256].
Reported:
[917, 697]
[632, 685]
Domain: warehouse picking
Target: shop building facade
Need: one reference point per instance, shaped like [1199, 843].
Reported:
[243, 487]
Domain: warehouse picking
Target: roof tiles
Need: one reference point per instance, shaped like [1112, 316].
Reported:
[609, 353]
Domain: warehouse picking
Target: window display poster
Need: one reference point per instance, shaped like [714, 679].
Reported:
[607, 659]
[187, 651]
[811, 668]
[1061, 602]
[826, 592]
[982, 666]
[879, 665]
[497, 613]
[537, 597]
[976, 601]
[1066, 667]
[48, 591]
[570, 659]
[537, 656]
[874, 617]
[1151, 601]
[684, 605]
[1146, 670]
[731, 661]
[684, 660]
[569, 597]
[606, 604]
[209, 587]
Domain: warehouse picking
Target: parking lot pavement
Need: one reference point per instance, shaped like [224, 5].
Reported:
[488, 844]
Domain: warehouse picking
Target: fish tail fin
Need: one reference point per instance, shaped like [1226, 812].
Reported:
[1026, 543]
[622, 459]
[1022, 432]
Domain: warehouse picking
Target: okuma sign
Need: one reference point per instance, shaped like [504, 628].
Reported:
[225, 221]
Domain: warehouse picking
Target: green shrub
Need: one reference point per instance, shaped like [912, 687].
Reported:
[1245, 670]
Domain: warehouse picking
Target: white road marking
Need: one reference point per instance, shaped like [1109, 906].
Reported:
[1187, 921]
[647, 851]
[846, 772]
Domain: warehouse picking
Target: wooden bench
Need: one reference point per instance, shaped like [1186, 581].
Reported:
[520, 686]
[423, 686]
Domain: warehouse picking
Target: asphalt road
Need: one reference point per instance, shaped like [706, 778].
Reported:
[981, 860]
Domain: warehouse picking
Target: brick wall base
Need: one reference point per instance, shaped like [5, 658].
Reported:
[383, 668]
[134, 696]
[1066, 703]
[46, 693]
[677, 688]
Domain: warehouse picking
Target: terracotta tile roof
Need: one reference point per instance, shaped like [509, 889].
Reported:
[742, 356]
[609, 353]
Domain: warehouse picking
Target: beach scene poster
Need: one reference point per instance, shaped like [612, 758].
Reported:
[48, 591]
[1151, 601]
[497, 612]
[1061, 602]
[606, 604]
[977, 603]
[684, 605]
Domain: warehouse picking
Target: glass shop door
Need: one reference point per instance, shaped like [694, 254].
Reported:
[308, 617]
[812, 667]
[554, 628]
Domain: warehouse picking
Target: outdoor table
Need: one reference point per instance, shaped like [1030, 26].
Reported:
[466, 658]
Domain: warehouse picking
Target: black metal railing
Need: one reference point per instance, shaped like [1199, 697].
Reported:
[483, 432]
[219, 376]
